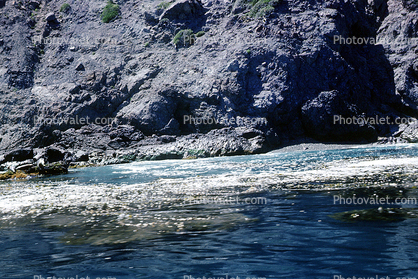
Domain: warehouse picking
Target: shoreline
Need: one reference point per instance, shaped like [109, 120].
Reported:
[221, 143]
[317, 146]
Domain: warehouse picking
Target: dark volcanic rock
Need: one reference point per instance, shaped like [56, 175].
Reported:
[51, 18]
[53, 169]
[50, 169]
[54, 155]
[329, 117]
[183, 9]
[122, 91]
[410, 4]
[19, 155]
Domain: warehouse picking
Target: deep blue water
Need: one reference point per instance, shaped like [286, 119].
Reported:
[143, 220]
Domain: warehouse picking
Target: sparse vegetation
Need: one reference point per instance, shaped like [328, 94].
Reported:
[65, 7]
[186, 35]
[9, 174]
[110, 12]
[163, 5]
[164, 21]
[200, 33]
[147, 44]
[261, 8]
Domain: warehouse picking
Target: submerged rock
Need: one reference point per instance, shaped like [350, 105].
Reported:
[376, 214]
[51, 169]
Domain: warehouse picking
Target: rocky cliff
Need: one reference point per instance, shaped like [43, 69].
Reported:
[151, 79]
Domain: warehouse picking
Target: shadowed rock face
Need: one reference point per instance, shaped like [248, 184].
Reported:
[72, 82]
[182, 9]
[324, 117]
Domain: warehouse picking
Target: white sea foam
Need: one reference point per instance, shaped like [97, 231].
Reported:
[170, 183]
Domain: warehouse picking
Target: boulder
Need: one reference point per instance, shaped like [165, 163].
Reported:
[412, 5]
[81, 156]
[33, 4]
[80, 67]
[54, 155]
[126, 133]
[150, 19]
[50, 17]
[411, 133]
[25, 167]
[248, 133]
[19, 155]
[52, 169]
[183, 9]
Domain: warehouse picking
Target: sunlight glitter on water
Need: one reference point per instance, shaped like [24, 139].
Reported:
[158, 204]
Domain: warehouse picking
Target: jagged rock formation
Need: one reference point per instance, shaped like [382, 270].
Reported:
[70, 81]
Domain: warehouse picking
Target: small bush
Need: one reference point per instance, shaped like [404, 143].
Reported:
[65, 7]
[261, 8]
[163, 5]
[200, 33]
[184, 36]
[164, 21]
[110, 12]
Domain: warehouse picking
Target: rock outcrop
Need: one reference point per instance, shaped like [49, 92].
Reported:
[280, 70]
[183, 9]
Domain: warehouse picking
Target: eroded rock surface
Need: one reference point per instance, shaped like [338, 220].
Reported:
[72, 83]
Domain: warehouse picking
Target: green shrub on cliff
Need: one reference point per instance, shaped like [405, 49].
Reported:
[163, 5]
[200, 34]
[110, 12]
[261, 8]
[185, 37]
[65, 7]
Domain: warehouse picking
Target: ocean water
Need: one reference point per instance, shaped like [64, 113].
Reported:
[275, 215]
